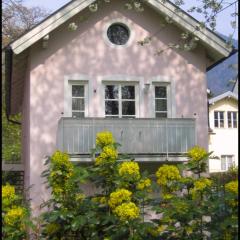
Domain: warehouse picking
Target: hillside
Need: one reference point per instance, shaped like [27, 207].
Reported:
[219, 76]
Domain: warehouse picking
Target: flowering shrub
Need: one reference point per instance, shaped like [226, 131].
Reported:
[190, 207]
[15, 217]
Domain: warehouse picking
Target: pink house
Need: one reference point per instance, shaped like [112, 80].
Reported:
[69, 85]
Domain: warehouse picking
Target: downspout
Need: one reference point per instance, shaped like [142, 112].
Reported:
[8, 82]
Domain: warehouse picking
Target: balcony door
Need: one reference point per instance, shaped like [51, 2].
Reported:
[120, 101]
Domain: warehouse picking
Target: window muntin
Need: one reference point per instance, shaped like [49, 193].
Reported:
[218, 119]
[78, 101]
[120, 101]
[161, 102]
[118, 34]
[232, 119]
[226, 162]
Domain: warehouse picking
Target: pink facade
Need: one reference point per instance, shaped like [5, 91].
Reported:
[86, 52]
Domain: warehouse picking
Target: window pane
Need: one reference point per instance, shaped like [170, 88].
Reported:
[111, 92]
[234, 119]
[128, 108]
[111, 107]
[161, 105]
[160, 92]
[78, 114]
[229, 116]
[77, 91]
[221, 115]
[223, 163]
[215, 115]
[161, 115]
[78, 104]
[230, 161]
[216, 123]
[128, 92]
[221, 123]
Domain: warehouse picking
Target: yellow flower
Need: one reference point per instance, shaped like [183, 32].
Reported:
[167, 173]
[118, 197]
[196, 153]
[80, 197]
[232, 187]
[200, 185]
[129, 170]
[127, 211]
[14, 216]
[8, 195]
[104, 138]
[144, 184]
[108, 155]
[167, 196]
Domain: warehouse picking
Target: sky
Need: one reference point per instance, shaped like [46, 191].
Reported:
[223, 19]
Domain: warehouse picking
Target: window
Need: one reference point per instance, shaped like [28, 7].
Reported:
[219, 119]
[120, 101]
[232, 119]
[226, 162]
[78, 101]
[118, 34]
[161, 102]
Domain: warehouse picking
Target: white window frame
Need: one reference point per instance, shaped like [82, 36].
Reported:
[171, 101]
[157, 98]
[232, 120]
[218, 119]
[226, 158]
[120, 100]
[69, 81]
[84, 98]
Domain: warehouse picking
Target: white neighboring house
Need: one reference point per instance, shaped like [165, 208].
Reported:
[223, 137]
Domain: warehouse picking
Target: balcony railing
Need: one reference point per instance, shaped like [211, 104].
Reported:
[136, 136]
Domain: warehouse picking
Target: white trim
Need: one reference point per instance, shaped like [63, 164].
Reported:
[166, 8]
[121, 78]
[125, 22]
[70, 80]
[222, 96]
[165, 80]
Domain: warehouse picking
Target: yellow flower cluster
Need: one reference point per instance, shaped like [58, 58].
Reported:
[14, 216]
[167, 173]
[108, 155]
[232, 187]
[80, 197]
[127, 211]
[61, 160]
[119, 196]
[8, 195]
[196, 153]
[129, 170]
[200, 185]
[104, 138]
[144, 184]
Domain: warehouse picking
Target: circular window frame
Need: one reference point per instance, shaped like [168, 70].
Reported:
[124, 23]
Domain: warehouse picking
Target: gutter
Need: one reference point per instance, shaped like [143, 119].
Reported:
[8, 82]
[222, 59]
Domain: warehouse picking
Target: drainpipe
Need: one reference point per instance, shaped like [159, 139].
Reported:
[8, 83]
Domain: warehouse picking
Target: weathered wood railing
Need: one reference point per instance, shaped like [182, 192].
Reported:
[136, 136]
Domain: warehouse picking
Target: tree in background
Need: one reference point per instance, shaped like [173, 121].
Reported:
[16, 20]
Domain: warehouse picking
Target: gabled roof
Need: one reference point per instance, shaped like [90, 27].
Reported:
[222, 96]
[181, 18]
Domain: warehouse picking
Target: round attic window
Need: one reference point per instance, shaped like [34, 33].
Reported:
[118, 34]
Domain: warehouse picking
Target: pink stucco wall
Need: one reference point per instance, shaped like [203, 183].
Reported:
[86, 52]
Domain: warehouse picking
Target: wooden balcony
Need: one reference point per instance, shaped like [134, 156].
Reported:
[145, 137]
